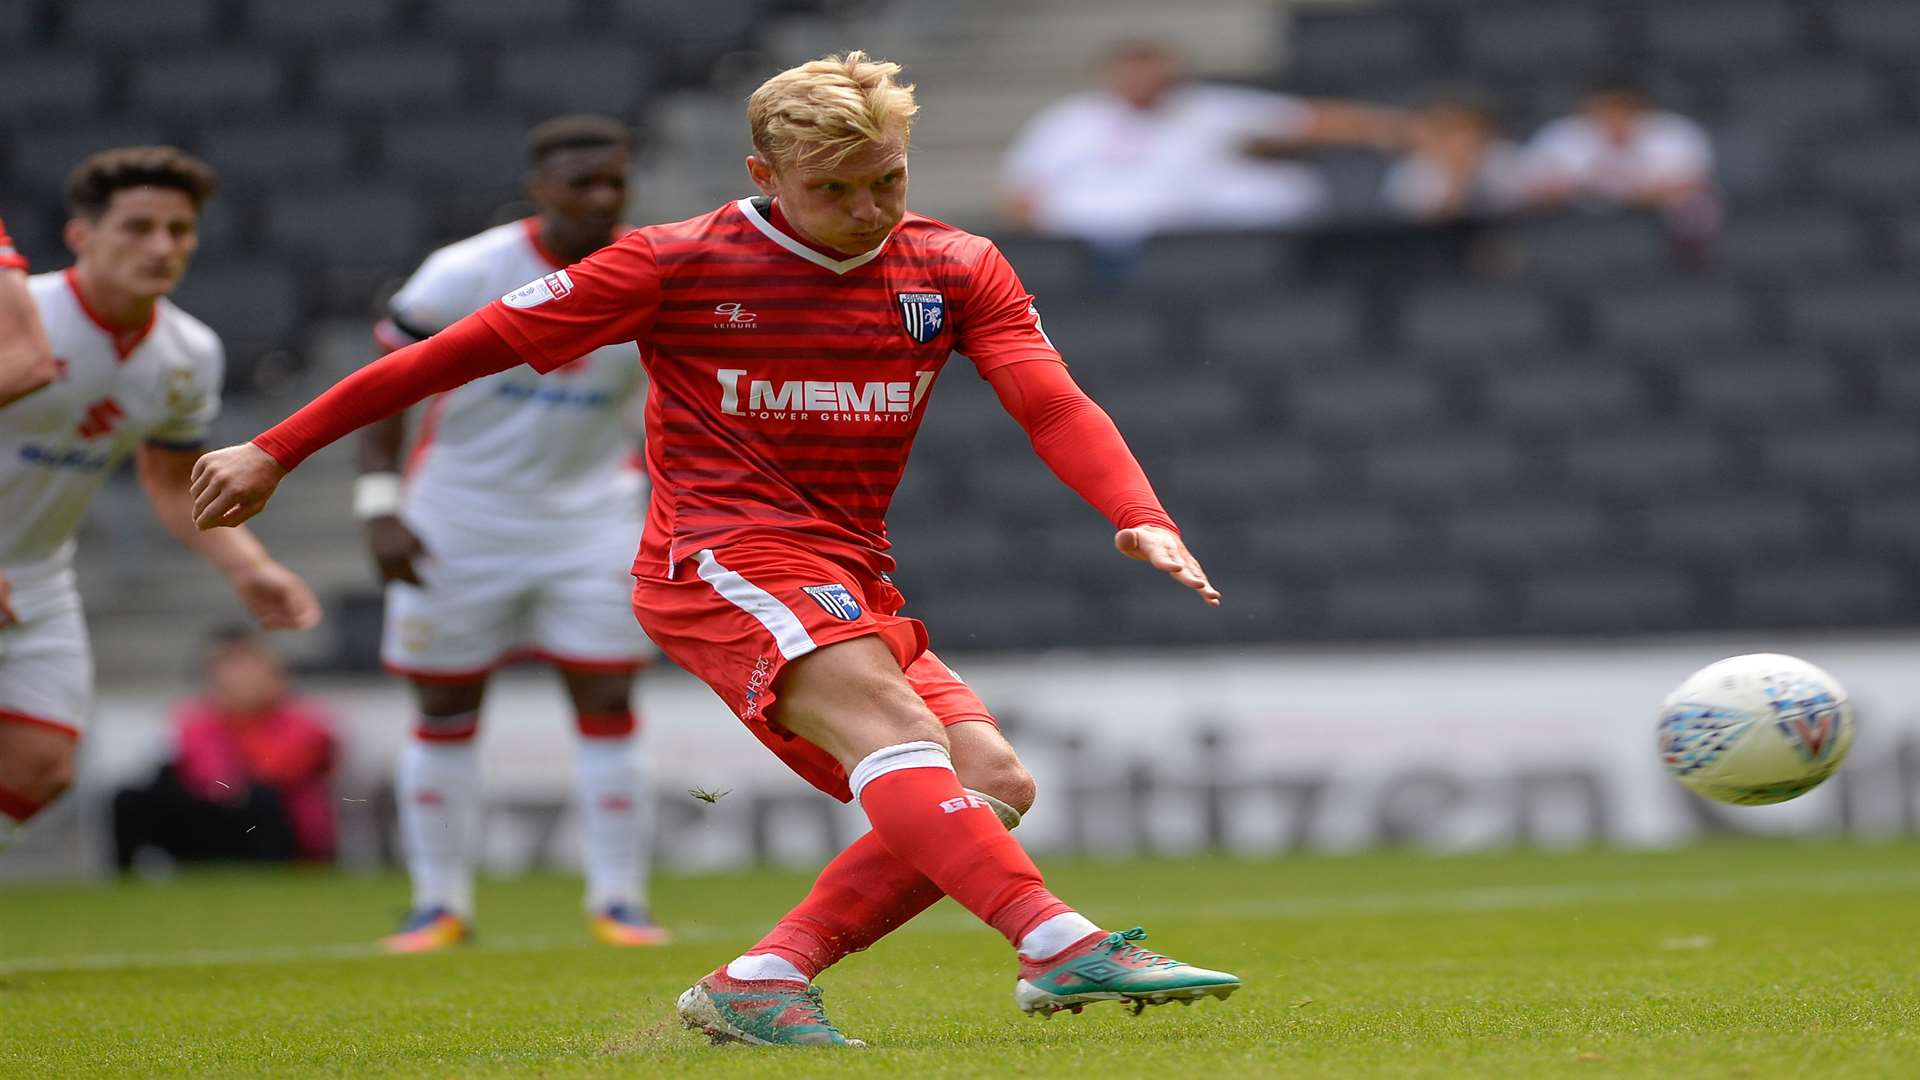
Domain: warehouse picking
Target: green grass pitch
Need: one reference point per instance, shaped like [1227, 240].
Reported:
[1771, 959]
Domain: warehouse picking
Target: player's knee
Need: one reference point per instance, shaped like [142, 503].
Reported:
[40, 774]
[1002, 776]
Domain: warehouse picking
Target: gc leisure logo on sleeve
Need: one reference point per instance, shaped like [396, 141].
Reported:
[555, 286]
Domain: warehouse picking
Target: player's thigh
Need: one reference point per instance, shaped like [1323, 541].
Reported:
[46, 696]
[469, 612]
[850, 698]
[982, 757]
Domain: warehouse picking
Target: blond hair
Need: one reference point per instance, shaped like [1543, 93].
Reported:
[830, 107]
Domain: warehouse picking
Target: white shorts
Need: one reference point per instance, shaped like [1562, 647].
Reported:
[565, 597]
[46, 662]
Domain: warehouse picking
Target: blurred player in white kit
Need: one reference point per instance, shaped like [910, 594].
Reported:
[507, 534]
[126, 374]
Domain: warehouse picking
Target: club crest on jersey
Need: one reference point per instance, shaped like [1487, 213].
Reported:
[554, 286]
[835, 600]
[923, 314]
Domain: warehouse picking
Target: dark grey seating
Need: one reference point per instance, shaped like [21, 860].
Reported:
[1735, 31]
[335, 20]
[1885, 527]
[347, 226]
[1875, 309]
[45, 87]
[248, 300]
[1053, 270]
[1482, 320]
[1268, 478]
[224, 83]
[474, 151]
[1833, 93]
[1760, 390]
[1522, 530]
[137, 22]
[1895, 387]
[1595, 394]
[1889, 27]
[1591, 247]
[1850, 593]
[1316, 537]
[1752, 160]
[1883, 168]
[1097, 336]
[1204, 266]
[16, 24]
[1168, 414]
[1258, 332]
[1362, 403]
[1848, 456]
[1730, 526]
[1341, 47]
[42, 157]
[1635, 461]
[278, 151]
[1398, 603]
[1445, 468]
[1538, 37]
[1614, 599]
[1673, 313]
[1017, 615]
[400, 80]
[512, 19]
[693, 33]
[607, 77]
[1799, 244]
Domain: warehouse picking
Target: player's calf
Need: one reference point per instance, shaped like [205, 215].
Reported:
[36, 767]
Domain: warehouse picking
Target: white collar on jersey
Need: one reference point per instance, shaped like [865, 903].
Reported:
[838, 266]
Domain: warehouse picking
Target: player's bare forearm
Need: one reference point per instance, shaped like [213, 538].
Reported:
[381, 443]
[26, 360]
[165, 476]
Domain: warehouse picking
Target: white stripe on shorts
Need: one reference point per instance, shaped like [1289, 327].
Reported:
[788, 631]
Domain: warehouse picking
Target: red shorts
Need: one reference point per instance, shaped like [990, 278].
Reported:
[734, 616]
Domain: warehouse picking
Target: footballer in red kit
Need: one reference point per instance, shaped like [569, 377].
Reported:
[791, 343]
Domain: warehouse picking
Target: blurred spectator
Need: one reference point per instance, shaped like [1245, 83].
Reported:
[1458, 164]
[251, 774]
[1150, 151]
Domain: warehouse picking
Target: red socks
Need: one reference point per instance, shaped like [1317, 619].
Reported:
[863, 895]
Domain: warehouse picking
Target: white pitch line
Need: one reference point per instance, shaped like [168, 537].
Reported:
[1492, 898]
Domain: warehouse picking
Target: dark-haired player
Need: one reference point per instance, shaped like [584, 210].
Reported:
[135, 376]
[509, 536]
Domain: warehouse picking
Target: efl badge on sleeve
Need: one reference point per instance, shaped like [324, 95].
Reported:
[923, 313]
[836, 600]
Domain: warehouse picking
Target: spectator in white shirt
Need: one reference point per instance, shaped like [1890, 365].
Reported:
[1458, 166]
[1151, 152]
[1618, 149]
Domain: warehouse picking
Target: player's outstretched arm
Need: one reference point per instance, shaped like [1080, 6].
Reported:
[231, 485]
[26, 360]
[276, 596]
[1078, 441]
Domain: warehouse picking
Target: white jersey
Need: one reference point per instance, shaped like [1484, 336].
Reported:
[115, 390]
[516, 448]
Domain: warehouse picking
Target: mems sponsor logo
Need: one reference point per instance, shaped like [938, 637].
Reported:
[822, 399]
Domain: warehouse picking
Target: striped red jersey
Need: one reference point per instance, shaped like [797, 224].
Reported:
[785, 385]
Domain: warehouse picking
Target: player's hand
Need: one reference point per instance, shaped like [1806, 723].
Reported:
[229, 486]
[7, 617]
[1163, 549]
[394, 549]
[276, 596]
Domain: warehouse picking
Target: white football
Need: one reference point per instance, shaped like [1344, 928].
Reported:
[1755, 729]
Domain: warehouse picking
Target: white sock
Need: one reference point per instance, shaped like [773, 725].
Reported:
[613, 820]
[1055, 935]
[439, 793]
[764, 967]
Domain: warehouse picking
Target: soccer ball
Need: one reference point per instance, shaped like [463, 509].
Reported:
[1756, 729]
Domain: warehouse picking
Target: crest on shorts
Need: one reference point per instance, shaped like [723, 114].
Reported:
[835, 600]
[923, 314]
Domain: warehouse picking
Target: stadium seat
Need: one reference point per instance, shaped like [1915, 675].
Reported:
[278, 151]
[1635, 461]
[1205, 266]
[1673, 314]
[42, 87]
[1727, 32]
[1751, 161]
[1803, 243]
[1543, 37]
[1053, 270]
[1187, 413]
[42, 157]
[1266, 479]
[1616, 599]
[1340, 47]
[1400, 604]
[1097, 336]
[574, 77]
[1876, 456]
[225, 84]
[1895, 383]
[1360, 403]
[1850, 593]
[17, 23]
[1884, 527]
[1482, 319]
[499, 19]
[137, 23]
[226, 228]
[1870, 310]
[1730, 527]
[1315, 537]
[396, 79]
[694, 34]
[1509, 530]
[1881, 169]
[481, 151]
[1877, 27]
[1806, 98]
[1760, 390]
[1591, 395]
[364, 21]
[348, 226]
[1262, 332]
[1589, 247]
[249, 300]
[1445, 468]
